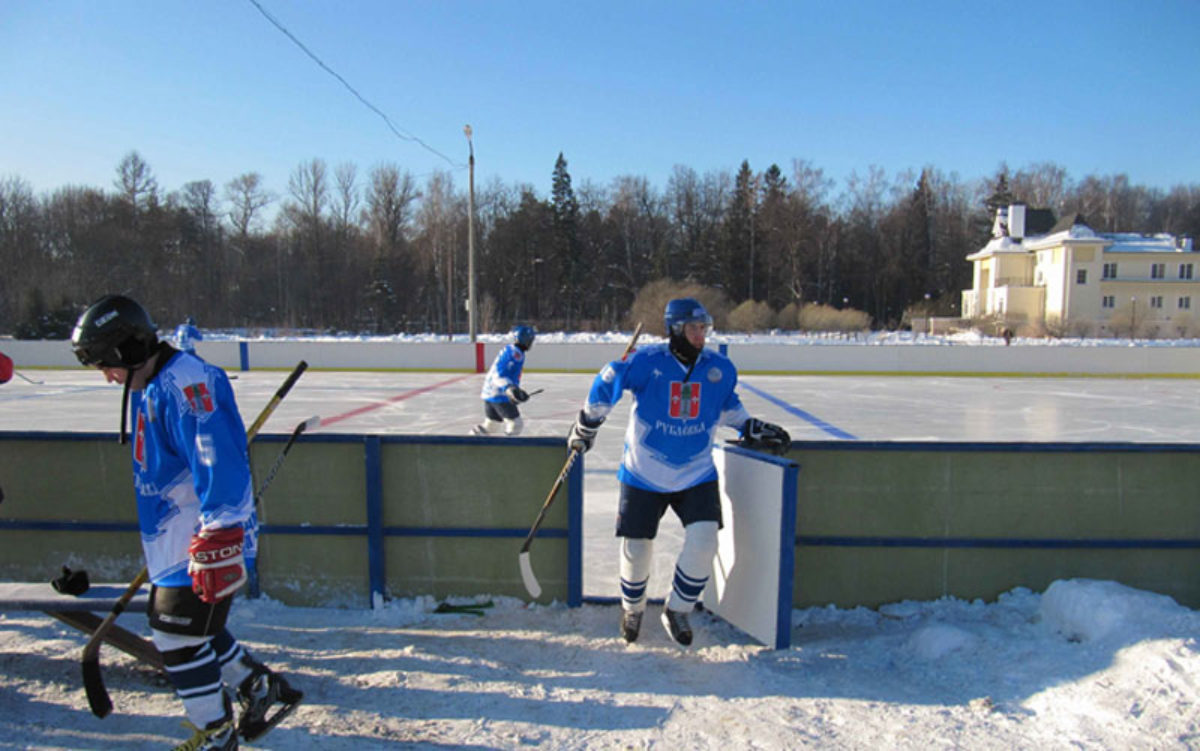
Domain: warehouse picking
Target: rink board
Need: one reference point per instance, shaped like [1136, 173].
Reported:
[879, 522]
[348, 520]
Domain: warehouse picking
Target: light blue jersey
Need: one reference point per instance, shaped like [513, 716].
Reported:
[190, 462]
[505, 371]
[674, 417]
[186, 337]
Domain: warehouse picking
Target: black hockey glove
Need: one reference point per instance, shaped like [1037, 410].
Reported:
[767, 436]
[583, 433]
[517, 394]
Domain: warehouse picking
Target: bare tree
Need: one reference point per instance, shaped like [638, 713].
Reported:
[135, 182]
[247, 197]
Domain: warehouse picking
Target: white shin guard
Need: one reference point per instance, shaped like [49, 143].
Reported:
[636, 556]
[514, 427]
[694, 565]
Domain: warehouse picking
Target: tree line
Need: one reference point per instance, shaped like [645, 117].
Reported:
[380, 253]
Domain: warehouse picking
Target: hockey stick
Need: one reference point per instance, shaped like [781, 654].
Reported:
[93, 681]
[275, 400]
[27, 378]
[310, 424]
[531, 583]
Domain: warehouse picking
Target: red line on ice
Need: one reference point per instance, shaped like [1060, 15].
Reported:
[398, 398]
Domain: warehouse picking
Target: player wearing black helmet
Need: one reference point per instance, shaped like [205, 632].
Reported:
[196, 514]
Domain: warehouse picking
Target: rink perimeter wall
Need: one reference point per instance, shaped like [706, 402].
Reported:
[347, 520]
[879, 522]
[353, 518]
[830, 357]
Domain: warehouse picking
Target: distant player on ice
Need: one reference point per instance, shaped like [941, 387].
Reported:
[502, 390]
[195, 504]
[682, 393]
[6, 368]
[187, 335]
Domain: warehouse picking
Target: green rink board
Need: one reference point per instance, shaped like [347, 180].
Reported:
[83, 480]
[1007, 515]
[851, 577]
[451, 514]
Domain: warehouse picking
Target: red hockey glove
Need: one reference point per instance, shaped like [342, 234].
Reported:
[216, 564]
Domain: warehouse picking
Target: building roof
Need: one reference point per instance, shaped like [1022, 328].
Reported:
[1064, 224]
[1039, 221]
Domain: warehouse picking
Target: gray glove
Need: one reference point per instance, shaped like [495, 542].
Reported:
[583, 433]
[757, 434]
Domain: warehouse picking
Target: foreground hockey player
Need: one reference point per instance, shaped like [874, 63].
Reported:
[682, 392]
[502, 390]
[196, 512]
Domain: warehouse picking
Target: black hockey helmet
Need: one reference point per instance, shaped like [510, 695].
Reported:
[114, 332]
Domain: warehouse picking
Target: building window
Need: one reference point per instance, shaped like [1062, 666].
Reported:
[1108, 301]
[1156, 301]
[1185, 271]
[1081, 276]
[1110, 271]
[1158, 270]
[1185, 303]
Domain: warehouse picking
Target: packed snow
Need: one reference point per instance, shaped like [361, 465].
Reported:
[1085, 664]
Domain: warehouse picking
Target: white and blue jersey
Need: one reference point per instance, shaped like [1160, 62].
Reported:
[191, 467]
[505, 371]
[674, 417]
[186, 337]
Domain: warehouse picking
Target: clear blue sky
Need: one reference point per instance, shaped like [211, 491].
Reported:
[211, 89]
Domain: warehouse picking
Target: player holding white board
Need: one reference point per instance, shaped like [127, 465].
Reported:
[682, 393]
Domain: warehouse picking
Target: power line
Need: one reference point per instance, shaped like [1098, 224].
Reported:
[405, 136]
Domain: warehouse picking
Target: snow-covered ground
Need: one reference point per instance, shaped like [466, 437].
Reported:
[1086, 664]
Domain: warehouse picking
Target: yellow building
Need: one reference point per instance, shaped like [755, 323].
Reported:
[1066, 278]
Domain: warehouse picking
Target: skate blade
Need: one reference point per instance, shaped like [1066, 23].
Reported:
[255, 732]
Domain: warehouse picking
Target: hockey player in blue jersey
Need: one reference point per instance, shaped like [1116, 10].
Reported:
[682, 393]
[186, 335]
[502, 390]
[196, 513]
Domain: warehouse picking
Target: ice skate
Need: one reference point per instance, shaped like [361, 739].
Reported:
[266, 699]
[216, 736]
[676, 624]
[631, 624]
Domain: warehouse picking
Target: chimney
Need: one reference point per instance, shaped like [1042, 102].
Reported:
[1016, 221]
[1185, 244]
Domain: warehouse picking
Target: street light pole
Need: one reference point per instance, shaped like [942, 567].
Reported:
[470, 234]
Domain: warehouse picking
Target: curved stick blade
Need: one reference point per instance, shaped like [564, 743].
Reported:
[531, 583]
[93, 684]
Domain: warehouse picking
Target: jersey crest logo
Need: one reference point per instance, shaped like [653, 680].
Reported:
[198, 397]
[685, 400]
[139, 440]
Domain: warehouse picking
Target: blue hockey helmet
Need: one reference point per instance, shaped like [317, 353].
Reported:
[523, 336]
[684, 310]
